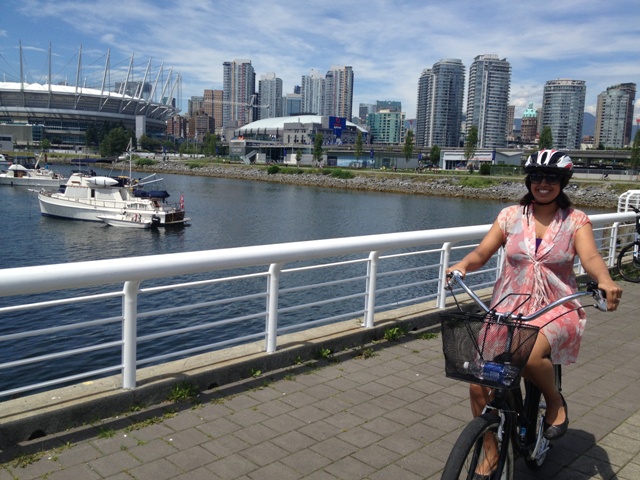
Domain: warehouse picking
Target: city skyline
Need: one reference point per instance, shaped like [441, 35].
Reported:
[387, 45]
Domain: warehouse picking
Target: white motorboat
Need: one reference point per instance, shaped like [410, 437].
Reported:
[19, 175]
[127, 221]
[86, 197]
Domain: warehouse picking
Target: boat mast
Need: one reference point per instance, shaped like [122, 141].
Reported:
[24, 101]
[49, 82]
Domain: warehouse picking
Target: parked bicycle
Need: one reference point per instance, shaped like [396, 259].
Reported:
[629, 257]
[491, 349]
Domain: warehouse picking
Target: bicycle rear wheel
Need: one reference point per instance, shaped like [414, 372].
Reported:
[469, 450]
[629, 262]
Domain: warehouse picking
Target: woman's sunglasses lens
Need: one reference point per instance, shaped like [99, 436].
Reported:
[551, 178]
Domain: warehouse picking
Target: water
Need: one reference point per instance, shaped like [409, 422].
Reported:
[227, 213]
[224, 213]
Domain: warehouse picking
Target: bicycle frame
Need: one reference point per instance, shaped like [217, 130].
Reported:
[518, 414]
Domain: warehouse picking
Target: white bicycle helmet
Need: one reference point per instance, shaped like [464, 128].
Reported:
[550, 160]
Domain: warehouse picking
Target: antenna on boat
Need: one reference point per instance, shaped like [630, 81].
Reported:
[129, 149]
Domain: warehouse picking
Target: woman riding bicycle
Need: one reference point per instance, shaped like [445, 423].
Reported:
[541, 237]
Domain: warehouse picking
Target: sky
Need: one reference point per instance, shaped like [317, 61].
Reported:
[387, 43]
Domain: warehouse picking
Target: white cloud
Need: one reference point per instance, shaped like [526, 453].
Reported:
[387, 43]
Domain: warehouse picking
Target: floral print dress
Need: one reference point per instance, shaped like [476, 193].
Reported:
[545, 272]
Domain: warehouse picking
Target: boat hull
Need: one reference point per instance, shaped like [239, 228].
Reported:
[31, 181]
[94, 198]
[125, 221]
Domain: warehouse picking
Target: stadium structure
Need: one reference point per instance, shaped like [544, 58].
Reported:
[138, 98]
[279, 139]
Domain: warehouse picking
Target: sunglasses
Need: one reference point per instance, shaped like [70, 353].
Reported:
[551, 178]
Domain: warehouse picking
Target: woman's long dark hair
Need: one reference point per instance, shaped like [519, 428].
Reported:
[562, 199]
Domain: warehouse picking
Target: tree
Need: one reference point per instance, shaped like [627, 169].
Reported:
[471, 143]
[45, 144]
[169, 146]
[358, 147]
[91, 135]
[634, 160]
[149, 144]
[317, 148]
[408, 145]
[209, 144]
[546, 138]
[434, 155]
[116, 142]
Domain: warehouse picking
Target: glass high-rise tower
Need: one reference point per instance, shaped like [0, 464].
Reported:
[270, 88]
[614, 116]
[312, 91]
[563, 111]
[488, 100]
[338, 92]
[439, 106]
[239, 88]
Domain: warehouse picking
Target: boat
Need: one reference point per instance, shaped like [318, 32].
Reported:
[126, 220]
[4, 163]
[19, 175]
[112, 200]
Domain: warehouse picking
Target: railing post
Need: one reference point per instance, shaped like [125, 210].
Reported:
[613, 241]
[370, 293]
[445, 255]
[273, 293]
[129, 334]
[499, 263]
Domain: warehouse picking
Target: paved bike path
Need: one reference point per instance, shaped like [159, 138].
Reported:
[385, 411]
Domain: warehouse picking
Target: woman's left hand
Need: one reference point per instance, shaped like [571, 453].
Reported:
[613, 293]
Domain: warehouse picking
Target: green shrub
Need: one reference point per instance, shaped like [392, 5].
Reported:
[339, 173]
[142, 162]
[477, 182]
[273, 169]
[291, 171]
[196, 164]
[485, 169]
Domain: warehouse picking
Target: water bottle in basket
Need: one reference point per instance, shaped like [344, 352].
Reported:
[492, 371]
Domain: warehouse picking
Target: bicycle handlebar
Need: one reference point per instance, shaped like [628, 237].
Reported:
[592, 289]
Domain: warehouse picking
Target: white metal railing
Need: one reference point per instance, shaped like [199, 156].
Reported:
[177, 305]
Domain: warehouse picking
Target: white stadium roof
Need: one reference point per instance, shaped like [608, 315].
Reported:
[273, 124]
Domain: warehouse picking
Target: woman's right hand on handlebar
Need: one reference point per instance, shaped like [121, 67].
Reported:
[460, 267]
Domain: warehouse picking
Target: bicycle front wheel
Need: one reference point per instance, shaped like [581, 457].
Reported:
[479, 445]
[629, 263]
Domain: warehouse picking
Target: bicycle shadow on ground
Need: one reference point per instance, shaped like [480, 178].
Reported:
[575, 456]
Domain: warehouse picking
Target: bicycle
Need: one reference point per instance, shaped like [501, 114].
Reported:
[628, 262]
[512, 422]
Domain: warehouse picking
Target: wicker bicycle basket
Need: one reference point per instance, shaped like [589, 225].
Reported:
[469, 337]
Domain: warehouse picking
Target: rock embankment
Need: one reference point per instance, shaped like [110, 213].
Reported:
[582, 194]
